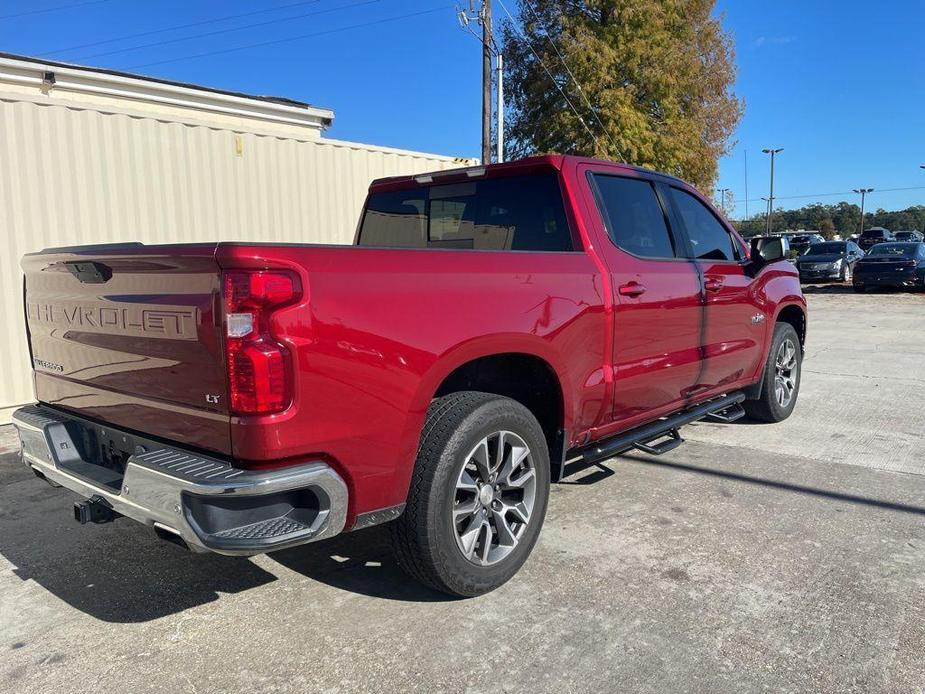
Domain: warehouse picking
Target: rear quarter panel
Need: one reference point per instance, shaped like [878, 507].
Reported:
[379, 329]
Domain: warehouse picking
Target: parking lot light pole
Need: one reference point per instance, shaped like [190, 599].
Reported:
[722, 198]
[773, 153]
[863, 193]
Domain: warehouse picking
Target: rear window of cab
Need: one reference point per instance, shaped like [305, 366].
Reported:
[512, 213]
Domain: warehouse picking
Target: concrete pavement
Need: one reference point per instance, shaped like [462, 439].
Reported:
[750, 559]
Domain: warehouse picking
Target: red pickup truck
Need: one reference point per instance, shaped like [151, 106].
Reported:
[488, 325]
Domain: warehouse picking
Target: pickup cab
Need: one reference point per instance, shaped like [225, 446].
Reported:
[488, 325]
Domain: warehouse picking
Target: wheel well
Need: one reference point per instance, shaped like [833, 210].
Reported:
[795, 316]
[522, 377]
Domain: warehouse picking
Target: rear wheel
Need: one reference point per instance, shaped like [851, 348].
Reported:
[782, 372]
[478, 494]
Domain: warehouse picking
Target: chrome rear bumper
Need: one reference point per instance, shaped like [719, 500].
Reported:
[209, 504]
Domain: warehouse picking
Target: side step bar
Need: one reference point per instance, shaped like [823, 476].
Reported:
[673, 441]
[727, 416]
[725, 409]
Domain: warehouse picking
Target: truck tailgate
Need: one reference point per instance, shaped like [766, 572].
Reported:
[131, 335]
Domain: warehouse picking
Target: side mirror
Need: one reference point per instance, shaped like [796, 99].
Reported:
[769, 249]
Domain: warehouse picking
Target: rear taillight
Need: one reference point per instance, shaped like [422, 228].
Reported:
[259, 369]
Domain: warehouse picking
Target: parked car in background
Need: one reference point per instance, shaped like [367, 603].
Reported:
[489, 324]
[829, 260]
[891, 265]
[801, 242]
[871, 237]
[909, 236]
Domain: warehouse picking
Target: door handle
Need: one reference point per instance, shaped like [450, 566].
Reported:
[713, 284]
[631, 289]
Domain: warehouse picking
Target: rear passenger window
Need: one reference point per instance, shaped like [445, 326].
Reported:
[515, 213]
[709, 239]
[633, 216]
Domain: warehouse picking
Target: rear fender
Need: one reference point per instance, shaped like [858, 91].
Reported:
[447, 363]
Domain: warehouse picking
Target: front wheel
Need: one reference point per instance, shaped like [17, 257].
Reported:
[477, 497]
[846, 273]
[782, 373]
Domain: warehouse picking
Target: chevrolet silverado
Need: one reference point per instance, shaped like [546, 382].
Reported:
[489, 325]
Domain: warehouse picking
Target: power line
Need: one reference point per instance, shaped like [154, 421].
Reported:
[524, 4]
[177, 27]
[552, 79]
[831, 195]
[226, 31]
[56, 8]
[294, 38]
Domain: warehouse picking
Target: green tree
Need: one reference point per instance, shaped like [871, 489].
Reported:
[655, 80]
[844, 218]
[827, 229]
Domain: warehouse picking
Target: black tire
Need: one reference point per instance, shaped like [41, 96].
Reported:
[424, 538]
[768, 407]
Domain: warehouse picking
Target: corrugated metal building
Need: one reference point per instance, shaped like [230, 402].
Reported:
[92, 156]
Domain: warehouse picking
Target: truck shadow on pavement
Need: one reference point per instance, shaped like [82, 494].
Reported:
[120, 572]
[360, 562]
[782, 485]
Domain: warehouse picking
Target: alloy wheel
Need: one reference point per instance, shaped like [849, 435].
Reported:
[494, 498]
[785, 372]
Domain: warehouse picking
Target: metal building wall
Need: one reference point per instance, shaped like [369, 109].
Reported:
[81, 176]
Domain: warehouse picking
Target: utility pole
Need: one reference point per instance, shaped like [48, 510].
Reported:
[485, 19]
[773, 153]
[500, 65]
[863, 193]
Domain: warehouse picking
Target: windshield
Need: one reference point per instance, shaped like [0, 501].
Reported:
[825, 248]
[829, 248]
[901, 250]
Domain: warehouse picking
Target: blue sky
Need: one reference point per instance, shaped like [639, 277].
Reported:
[840, 85]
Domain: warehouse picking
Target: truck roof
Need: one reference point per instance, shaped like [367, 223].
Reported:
[544, 161]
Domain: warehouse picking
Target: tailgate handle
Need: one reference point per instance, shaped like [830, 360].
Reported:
[90, 272]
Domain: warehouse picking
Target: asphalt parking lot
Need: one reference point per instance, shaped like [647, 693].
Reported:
[754, 558]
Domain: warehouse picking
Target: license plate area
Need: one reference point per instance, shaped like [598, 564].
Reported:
[93, 452]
